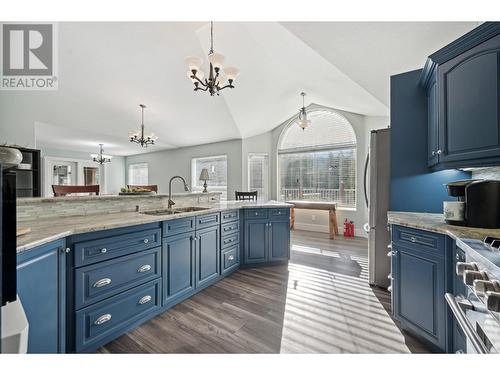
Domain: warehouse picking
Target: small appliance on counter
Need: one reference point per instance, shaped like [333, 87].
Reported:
[478, 203]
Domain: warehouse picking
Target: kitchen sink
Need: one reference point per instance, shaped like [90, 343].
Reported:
[172, 211]
[191, 209]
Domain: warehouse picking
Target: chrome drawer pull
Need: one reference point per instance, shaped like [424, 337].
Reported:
[144, 268]
[230, 257]
[413, 239]
[144, 300]
[102, 282]
[146, 240]
[229, 241]
[104, 250]
[103, 319]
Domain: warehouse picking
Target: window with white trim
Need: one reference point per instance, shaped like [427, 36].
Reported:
[217, 171]
[138, 174]
[258, 174]
[318, 163]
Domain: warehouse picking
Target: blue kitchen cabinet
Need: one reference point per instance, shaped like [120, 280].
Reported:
[432, 124]
[41, 289]
[266, 236]
[420, 281]
[207, 256]
[256, 238]
[469, 121]
[179, 267]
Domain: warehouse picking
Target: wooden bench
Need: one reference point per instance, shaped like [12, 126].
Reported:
[63, 190]
[331, 207]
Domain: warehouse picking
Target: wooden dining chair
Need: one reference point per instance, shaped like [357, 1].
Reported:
[149, 187]
[246, 195]
[62, 190]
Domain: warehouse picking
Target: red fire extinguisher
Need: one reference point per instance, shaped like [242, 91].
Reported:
[351, 229]
[346, 228]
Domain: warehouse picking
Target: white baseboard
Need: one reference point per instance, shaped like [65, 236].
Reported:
[358, 232]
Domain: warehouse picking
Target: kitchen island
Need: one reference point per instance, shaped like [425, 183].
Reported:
[106, 274]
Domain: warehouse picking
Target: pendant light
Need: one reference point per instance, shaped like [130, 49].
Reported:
[303, 121]
[101, 158]
[215, 82]
[139, 136]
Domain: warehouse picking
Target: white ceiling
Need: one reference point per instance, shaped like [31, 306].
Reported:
[107, 69]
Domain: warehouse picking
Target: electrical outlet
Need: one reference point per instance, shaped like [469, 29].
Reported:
[313, 217]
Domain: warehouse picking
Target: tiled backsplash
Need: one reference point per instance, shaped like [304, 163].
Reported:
[492, 173]
[44, 208]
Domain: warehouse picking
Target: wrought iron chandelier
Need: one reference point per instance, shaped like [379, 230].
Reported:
[101, 158]
[303, 121]
[216, 81]
[139, 136]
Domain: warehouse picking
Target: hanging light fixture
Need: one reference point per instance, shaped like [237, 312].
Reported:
[303, 121]
[215, 82]
[101, 158]
[139, 137]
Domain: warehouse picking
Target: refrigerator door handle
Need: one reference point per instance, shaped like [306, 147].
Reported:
[365, 178]
[367, 228]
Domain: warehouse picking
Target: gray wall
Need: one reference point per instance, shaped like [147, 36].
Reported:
[165, 164]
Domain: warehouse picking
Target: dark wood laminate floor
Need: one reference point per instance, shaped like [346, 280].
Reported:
[320, 303]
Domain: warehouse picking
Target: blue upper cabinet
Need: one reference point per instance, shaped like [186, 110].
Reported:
[40, 286]
[462, 81]
[469, 102]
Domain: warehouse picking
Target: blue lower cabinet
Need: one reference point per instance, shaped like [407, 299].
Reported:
[230, 260]
[40, 287]
[420, 281]
[266, 236]
[104, 321]
[256, 241]
[207, 256]
[102, 280]
[279, 240]
[178, 265]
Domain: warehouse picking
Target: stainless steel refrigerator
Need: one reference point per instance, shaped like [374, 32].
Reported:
[376, 186]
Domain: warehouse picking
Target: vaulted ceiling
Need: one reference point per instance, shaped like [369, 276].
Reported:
[107, 69]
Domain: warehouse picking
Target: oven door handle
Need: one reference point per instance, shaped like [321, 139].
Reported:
[464, 324]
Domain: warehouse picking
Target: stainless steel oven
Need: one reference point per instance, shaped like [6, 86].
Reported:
[476, 307]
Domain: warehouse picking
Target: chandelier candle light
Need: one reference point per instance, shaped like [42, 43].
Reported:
[303, 121]
[101, 158]
[215, 81]
[139, 137]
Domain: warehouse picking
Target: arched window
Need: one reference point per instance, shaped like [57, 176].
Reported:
[318, 163]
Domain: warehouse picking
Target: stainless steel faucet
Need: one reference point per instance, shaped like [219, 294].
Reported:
[186, 188]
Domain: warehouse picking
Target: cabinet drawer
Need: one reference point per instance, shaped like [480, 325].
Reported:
[230, 228]
[178, 226]
[279, 213]
[230, 240]
[107, 319]
[230, 216]
[419, 239]
[90, 252]
[256, 213]
[99, 281]
[208, 220]
[230, 259]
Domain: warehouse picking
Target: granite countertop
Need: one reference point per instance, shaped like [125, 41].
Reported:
[47, 230]
[436, 223]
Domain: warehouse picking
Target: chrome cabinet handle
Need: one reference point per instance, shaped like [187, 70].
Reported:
[230, 257]
[104, 250]
[65, 250]
[146, 240]
[102, 282]
[229, 241]
[433, 153]
[144, 268]
[103, 319]
[413, 239]
[145, 300]
[439, 152]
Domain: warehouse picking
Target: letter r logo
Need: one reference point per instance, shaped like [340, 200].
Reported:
[27, 49]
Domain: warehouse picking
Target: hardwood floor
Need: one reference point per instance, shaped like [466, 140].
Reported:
[320, 303]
